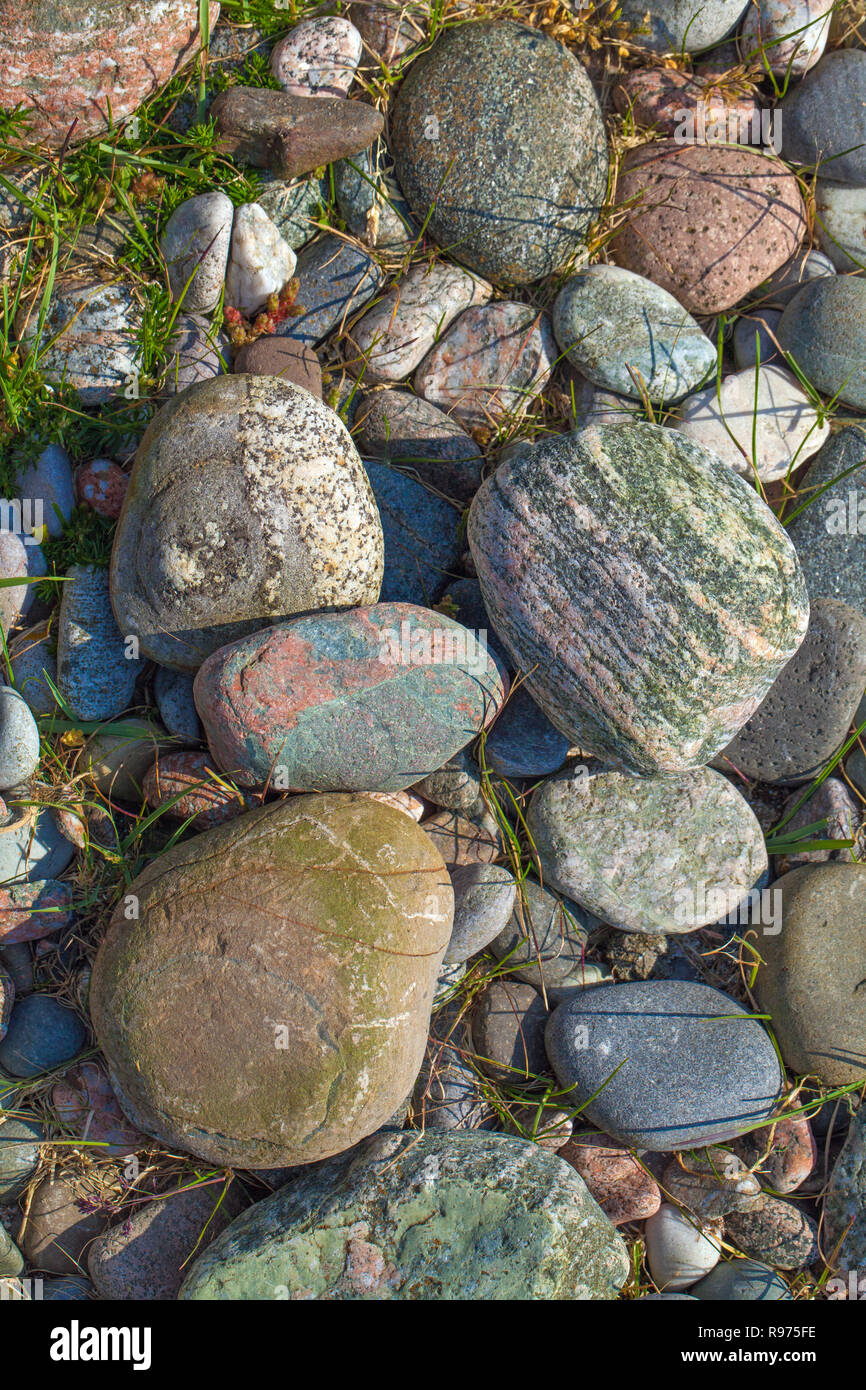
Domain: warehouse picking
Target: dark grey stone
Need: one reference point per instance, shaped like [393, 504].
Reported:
[336, 279]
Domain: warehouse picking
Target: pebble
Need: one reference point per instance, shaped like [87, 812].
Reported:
[286, 134]
[508, 1020]
[85, 1103]
[711, 1183]
[620, 1184]
[293, 207]
[419, 438]
[318, 57]
[20, 558]
[88, 340]
[628, 335]
[7, 999]
[544, 943]
[667, 26]
[490, 364]
[364, 700]
[778, 1233]
[788, 36]
[48, 484]
[714, 850]
[95, 673]
[70, 1289]
[282, 357]
[29, 911]
[32, 660]
[547, 1240]
[829, 536]
[805, 717]
[371, 201]
[101, 485]
[484, 896]
[20, 1140]
[196, 353]
[336, 280]
[195, 247]
[543, 1124]
[448, 1094]
[11, 1259]
[711, 222]
[42, 1035]
[190, 788]
[824, 328]
[523, 742]
[420, 530]
[814, 996]
[260, 261]
[785, 1152]
[403, 325]
[179, 996]
[742, 1280]
[460, 841]
[695, 1068]
[62, 1221]
[662, 97]
[455, 786]
[679, 1250]
[19, 739]
[820, 113]
[659, 517]
[390, 32]
[218, 537]
[116, 757]
[783, 284]
[754, 336]
[174, 698]
[845, 1202]
[31, 845]
[480, 174]
[840, 223]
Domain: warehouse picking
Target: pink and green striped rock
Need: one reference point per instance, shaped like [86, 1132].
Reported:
[646, 587]
[372, 699]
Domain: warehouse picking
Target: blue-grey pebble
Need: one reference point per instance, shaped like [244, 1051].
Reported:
[19, 739]
[781, 287]
[484, 896]
[674, 26]
[420, 535]
[173, 693]
[336, 279]
[824, 329]
[32, 659]
[20, 1137]
[367, 182]
[294, 208]
[522, 741]
[49, 481]
[32, 845]
[17, 960]
[822, 115]
[43, 1034]
[741, 1280]
[94, 674]
[544, 941]
[829, 535]
[752, 334]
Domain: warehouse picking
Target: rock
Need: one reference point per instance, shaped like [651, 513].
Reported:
[96, 667]
[195, 247]
[805, 717]
[58, 58]
[292, 207]
[283, 133]
[628, 335]
[32, 660]
[247, 503]
[88, 340]
[371, 201]
[447, 981]
[29, 911]
[11, 1259]
[659, 517]
[739, 1280]
[20, 1138]
[779, 1233]
[63, 1220]
[754, 333]
[683, 1064]
[620, 1184]
[787, 35]
[785, 1152]
[48, 487]
[819, 114]
[67, 1290]
[455, 786]
[489, 365]
[840, 223]
[17, 961]
[828, 535]
[711, 1183]
[260, 261]
[42, 1035]
[404, 802]
[196, 353]
[174, 697]
[844, 1206]
[679, 1249]
[146, 1256]
[283, 357]
[31, 845]
[514, 168]
[783, 284]
[666, 26]
[523, 742]
[389, 31]
[717, 110]
[22, 184]
[417, 437]
[21, 557]
[7, 999]
[358, 701]
[855, 771]
[318, 57]
[484, 897]
[336, 280]
[189, 788]
[406, 322]
[448, 1093]
[815, 997]
[101, 485]
[508, 1021]
[116, 758]
[714, 850]
[535, 1234]
[19, 739]
[824, 328]
[298, 1021]
[85, 1103]
[543, 1124]
[709, 223]
[420, 531]
[459, 841]
[544, 943]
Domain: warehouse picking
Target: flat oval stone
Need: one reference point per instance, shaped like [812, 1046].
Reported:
[742, 1280]
[514, 166]
[403, 325]
[788, 35]
[19, 739]
[805, 717]
[681, 1065]
[48, 487]
[544, 943]
[196, 352]
[598, 837]
[814, 995]
[420, 532]
[195, 247]
[710, 222]
[88, 340]
[493, 360]
[623, 1188]
[607, 320]
[679, 1248]
[484, 897]
[491, 1217]
[189, 787]
[32, 910]
[829, 535]
[455, 786]
[824, 329]
[32, 660]
[318, 57]
[247, 502]
[336, 279]
[96, 667]
[773, 422]
[786, 1153]
[667, 26]
[507, 1024]
[369, 700]
[275, 989]
[840, 223]
[173, 693]
[421, 440]
[283, 357]
[647, 588]
[31, 845]
[820, 113]
[42, 1035]
[523, 742]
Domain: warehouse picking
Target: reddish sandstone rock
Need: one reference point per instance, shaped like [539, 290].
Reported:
[31, 910]
[785, 1153]
[70, 59]
[85, 1102]
[202, 791]
[623, 1190]
[101, 485]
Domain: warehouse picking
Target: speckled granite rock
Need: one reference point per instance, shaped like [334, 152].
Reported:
[779, 1233]
[421, 440]
[368, 700]
[514, 166]
[247, 503]
[782, 1155]
[492, 361]
[829, 535]
[623, 1188]
[293, 207]
[371, 200]
[195, 245]
[489, 1217]
[713, 846]
[695, 1068]
[819, 114]
[336, 281]
[276, 987]
[405, 323]
[824, 329]
[318, 57]
[666, 26]
[96, 669]
[845, 1202]
[544, 942]
[815, 996]
[88, 337]
[420, 537]
[591, 551]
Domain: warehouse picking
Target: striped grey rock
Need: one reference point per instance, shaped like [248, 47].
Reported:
[195, 244]
[598, 838]
[403, 325]
[545, 941]
[421, 440]
[89, 337]
[247, 503]
[829, 535]
[654, 592]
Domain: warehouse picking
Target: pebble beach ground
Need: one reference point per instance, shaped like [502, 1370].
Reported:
[433, 601]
